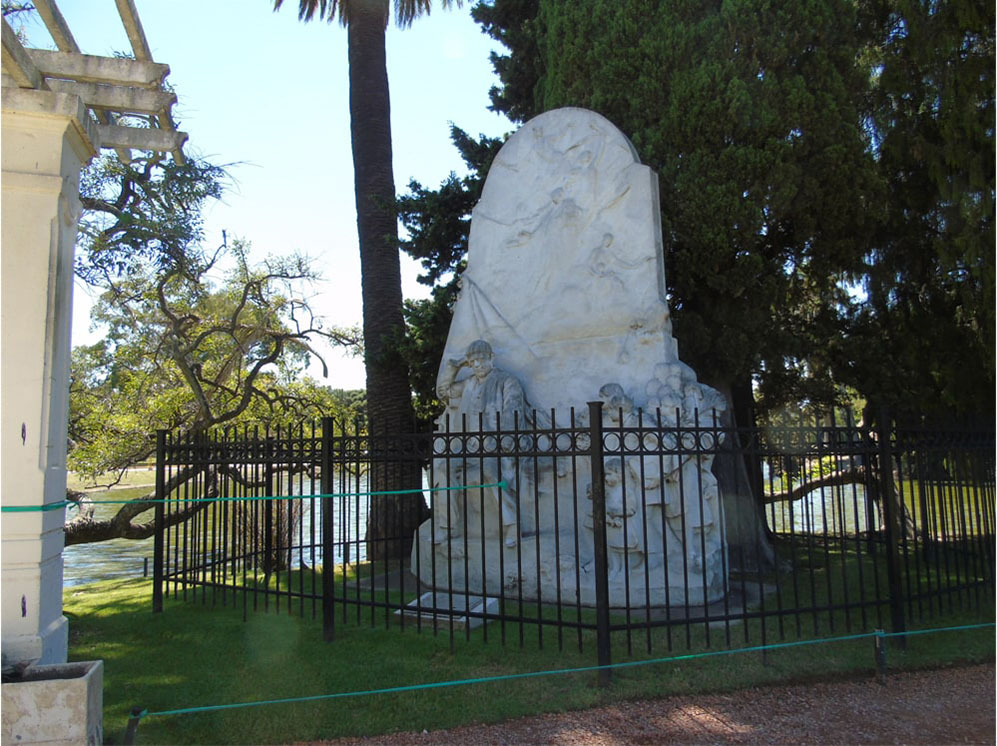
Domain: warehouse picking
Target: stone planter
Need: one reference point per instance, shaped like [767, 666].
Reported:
[55, 704]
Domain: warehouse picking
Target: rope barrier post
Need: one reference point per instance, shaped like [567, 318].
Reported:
[132, 730]
[880, 650]
[328, 566]
[157, 542]
[599, 532]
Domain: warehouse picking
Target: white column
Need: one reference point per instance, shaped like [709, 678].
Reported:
[46, 138]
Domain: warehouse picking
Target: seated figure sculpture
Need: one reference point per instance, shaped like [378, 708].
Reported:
[485, 400]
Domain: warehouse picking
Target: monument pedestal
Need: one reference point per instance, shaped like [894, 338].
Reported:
[445, 610]
[488, 567]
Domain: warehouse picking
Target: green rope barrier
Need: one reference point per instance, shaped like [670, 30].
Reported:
[937, 629]
[35, 508]
[553, 672]
[504, 677]
[55, 506]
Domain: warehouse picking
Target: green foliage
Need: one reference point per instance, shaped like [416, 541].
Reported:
[513, 23]
[428, 323]
[437, 224]
[183, 352]
[144, 216]
[747, 112]
[827, 180]
[182, 348]
[922, 340]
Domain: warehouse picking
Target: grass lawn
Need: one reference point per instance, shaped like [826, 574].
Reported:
[140, 475]
[192, 655]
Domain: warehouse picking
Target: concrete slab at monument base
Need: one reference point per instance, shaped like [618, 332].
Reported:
[55, 704]
[444, 609]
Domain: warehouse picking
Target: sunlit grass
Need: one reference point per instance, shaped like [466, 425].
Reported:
[197, 654]
[137, 476]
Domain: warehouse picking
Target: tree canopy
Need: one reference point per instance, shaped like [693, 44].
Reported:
[194, 337]
[182, 352]
[922, 338]
[826, 179]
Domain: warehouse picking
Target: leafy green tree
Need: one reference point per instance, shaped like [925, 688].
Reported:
[922, 337]
[180, 353]
[513, 23]
[180, 350]
[143, 216]
[749, 114]
[437, 223]
[394, 518]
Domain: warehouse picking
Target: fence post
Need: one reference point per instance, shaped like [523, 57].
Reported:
[131, 732]
[880, 653]
[157, 542]
[269, 560]
[328, 566]
[599, 535]
[891, 516]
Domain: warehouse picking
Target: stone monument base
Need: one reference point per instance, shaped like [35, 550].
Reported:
[541, 568]
[444, 610]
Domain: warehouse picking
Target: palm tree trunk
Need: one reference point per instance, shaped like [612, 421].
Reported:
[393, 519]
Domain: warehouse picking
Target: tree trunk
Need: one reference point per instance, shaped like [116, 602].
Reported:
[393, 518]
[749, 547]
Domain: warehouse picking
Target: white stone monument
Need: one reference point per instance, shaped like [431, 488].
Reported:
[562, 303]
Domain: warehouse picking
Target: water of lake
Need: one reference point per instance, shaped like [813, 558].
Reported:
[127, 558]
[835, 510]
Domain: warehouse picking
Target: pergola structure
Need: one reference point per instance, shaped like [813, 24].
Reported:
[60, 108]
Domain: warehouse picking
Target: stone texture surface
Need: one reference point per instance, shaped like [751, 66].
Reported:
[55, 704]
[46, 138]
[565, 275]
[563, 303]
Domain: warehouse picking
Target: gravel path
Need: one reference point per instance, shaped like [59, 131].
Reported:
[946, 706]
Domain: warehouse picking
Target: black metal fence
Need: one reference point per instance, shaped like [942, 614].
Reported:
[636, 529]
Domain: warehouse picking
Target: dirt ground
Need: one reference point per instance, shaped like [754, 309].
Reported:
[945, 706]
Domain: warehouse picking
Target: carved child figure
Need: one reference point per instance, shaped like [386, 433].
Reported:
[623, 529]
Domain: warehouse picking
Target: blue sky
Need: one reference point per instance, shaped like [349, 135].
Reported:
[266, 91]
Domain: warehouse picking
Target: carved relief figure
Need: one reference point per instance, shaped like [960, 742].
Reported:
[677, 491]
[487, 395]
[623, 527]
